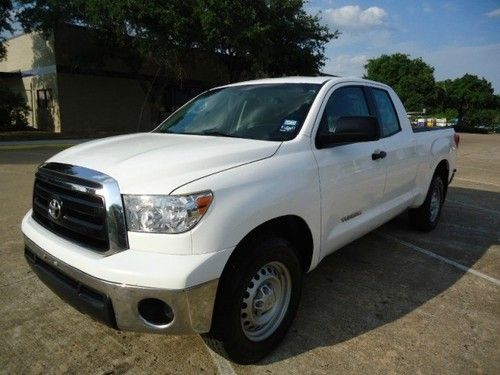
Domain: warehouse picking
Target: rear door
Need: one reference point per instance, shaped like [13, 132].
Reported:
[352, 183]
[398, 142]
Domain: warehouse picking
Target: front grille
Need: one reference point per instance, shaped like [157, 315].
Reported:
[82, 213]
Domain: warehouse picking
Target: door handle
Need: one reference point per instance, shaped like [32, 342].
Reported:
[379, 155]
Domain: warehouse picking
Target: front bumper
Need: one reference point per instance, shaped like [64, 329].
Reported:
[116, 304]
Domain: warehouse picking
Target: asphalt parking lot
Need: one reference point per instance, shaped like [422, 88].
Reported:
[395, 301]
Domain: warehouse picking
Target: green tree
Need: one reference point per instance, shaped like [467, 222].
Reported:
[269, 38]
[133, 30]
[412, 79]
[262, 37]
[468, 95]
[5, 25]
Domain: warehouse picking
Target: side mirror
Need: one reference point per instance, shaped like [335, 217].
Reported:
[350, 130]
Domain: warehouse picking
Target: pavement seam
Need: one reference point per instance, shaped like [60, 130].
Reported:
[17, 281]
[476, 182]
[475, 207]
[441, 258]
[224, 367]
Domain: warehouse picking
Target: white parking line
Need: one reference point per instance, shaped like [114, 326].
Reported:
[441, 258]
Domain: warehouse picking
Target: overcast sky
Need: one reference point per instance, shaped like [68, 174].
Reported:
[456, 37]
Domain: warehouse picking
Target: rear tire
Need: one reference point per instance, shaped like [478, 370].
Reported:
[426, 217]
[257, 300]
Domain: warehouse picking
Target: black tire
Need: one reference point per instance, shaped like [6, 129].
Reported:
[227, 336]
[423, 218]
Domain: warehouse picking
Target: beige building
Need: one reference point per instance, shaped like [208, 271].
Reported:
[71, 86]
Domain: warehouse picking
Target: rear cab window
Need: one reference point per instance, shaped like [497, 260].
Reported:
[386, 112]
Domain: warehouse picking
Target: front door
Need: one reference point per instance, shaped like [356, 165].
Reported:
[352, 183]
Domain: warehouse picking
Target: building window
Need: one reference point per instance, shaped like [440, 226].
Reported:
[44, 98]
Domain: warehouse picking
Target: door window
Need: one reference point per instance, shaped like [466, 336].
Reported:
[387, 116]
[344, 102]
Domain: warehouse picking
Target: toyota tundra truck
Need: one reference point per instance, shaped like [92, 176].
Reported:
[207, 224]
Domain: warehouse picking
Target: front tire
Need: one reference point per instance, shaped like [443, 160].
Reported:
[257, 300]
[426, 217]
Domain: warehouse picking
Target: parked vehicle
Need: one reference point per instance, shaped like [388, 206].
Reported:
[208, 223]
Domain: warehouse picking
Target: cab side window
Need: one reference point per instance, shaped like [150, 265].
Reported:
[344, 102]
[387, 116]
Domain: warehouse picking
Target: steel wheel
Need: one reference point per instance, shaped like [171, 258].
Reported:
[426, 217]
[435, 204]
[265, 301]
[257, 299]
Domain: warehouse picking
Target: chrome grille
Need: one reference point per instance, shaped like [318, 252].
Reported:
[89, 207]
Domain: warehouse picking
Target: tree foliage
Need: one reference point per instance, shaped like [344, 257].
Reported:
[271, 38]
[262, 37]
[484, 117]
[5, 25]
[469, 98]
[469, 95]
[412, 79]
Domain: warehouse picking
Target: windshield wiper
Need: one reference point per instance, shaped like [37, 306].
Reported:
[216, 133]
[212, 131]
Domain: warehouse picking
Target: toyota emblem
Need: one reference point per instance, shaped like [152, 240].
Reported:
[55, 209]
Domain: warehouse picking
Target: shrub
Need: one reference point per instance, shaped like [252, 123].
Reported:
[470, 129]
[13, 110]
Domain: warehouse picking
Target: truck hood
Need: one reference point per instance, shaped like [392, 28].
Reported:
[155, 163]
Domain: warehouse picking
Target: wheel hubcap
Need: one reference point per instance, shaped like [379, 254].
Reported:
[435, 205]
[265, 301]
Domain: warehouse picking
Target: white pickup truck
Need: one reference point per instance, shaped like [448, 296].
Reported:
[208, 223]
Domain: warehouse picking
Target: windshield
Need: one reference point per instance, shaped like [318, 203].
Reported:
[272, 112]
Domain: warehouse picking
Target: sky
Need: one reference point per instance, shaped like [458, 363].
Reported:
[455, 37]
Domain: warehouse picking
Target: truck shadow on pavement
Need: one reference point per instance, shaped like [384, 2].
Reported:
[375, 281]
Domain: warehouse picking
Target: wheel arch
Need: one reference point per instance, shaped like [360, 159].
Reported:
[292, 228]
[284, 229]
[443, 171]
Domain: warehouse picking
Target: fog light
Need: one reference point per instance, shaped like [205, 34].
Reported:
[155, 312]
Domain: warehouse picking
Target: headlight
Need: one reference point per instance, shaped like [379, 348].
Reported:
[165, 213]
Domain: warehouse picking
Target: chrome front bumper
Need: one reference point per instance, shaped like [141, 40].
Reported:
[117, 304]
